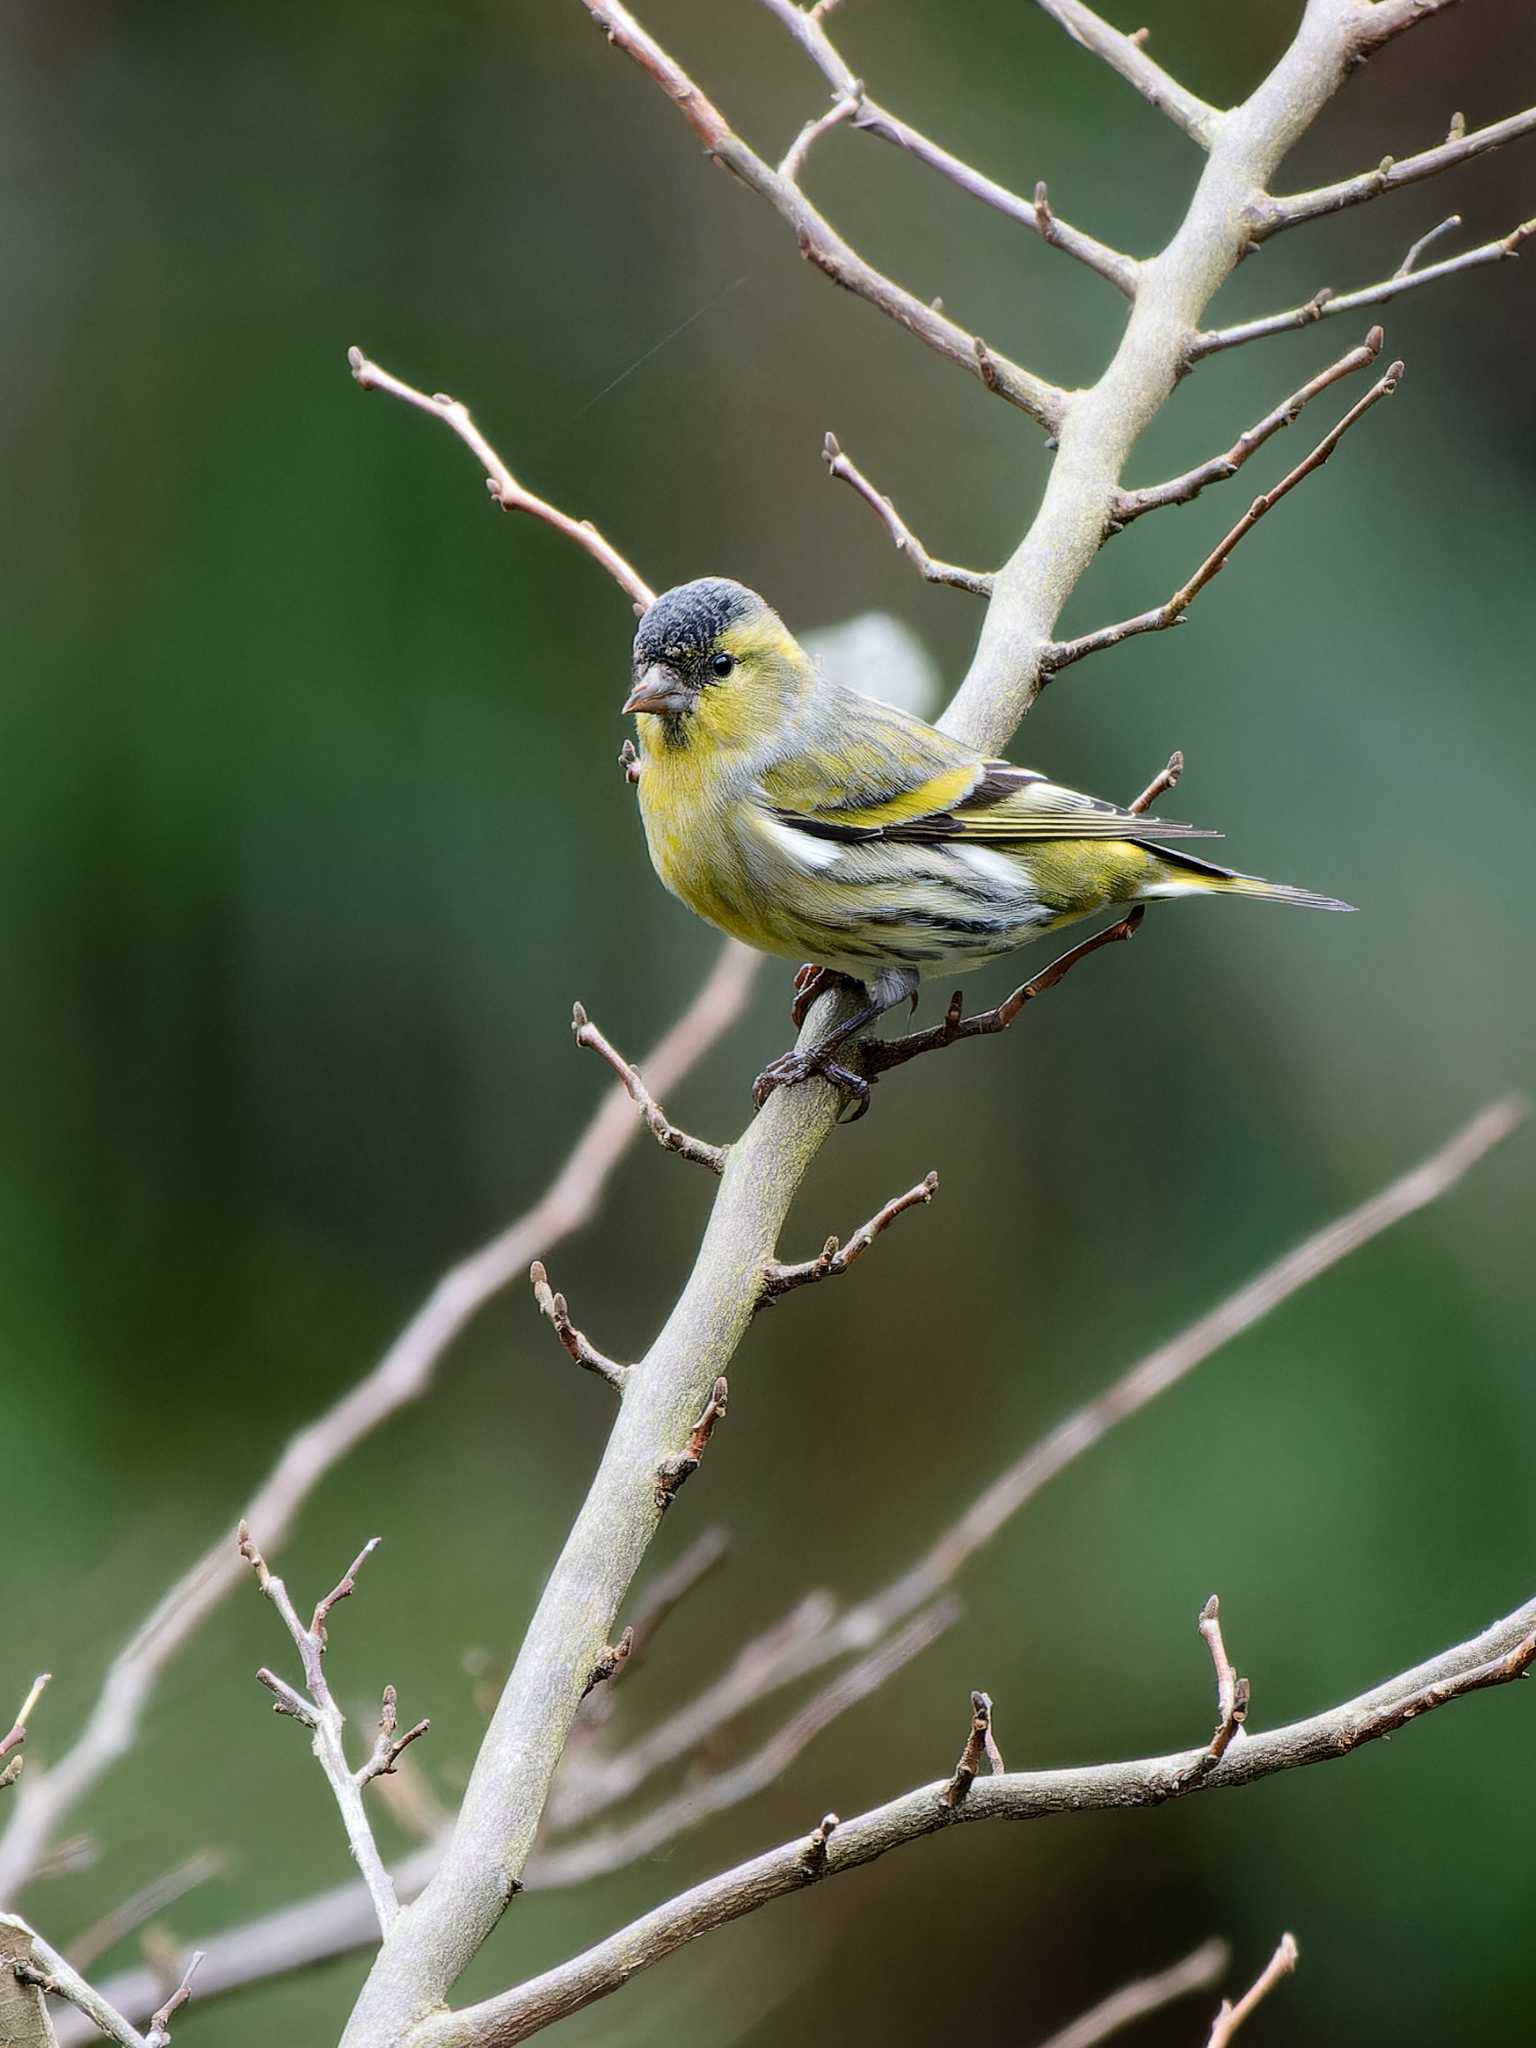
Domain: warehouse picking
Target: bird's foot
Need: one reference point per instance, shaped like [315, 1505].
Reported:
[818, 1063]
[812, 981]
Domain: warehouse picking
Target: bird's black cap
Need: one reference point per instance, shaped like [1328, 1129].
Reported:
[686, 622]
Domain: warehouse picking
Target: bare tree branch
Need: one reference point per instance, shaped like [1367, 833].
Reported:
[581, 1348]
[1197, 1972]
[819, 241]
[54, 1975]
[666, 1133]
[1165, 779]
[390, 1745]
[676, 1470]
[1233, 1694]
[326, 1722]
[843, 467]
[1274, 215]
[1324, 304]
[1499, 1655]
[805, 25]
[1181, 490]
[159, 2035]
[834, 1258]
[794, 163]
[879, 1055]
[1231, 2017]
[1065, 652]
[403, 1374]
[815, 1634]
[504, 487]
[16, 1734]
[980, 1743]
[1126, 55]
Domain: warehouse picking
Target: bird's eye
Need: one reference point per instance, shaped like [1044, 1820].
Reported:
[722, 664]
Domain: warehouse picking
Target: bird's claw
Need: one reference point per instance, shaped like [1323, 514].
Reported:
[791, 1068]
[812, 981]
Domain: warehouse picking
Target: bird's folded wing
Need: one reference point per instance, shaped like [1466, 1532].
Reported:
[978, 801]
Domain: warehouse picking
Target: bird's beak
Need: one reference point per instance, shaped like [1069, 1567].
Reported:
[658, 689]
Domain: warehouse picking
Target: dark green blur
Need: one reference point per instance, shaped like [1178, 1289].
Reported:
[311, 830]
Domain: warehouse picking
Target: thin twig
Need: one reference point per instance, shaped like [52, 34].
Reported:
[581, 1348]
[675, 1471]
[159, 2035]
[652, 1116]
[325, 1720]
[1325, 304]
[1232, 1693]
[1416, 249]
[1181, 490]
[16, 1735]
[842, 466]
[1231, 2017]
[1132, 2002]
[1166, 779]
[63, 1980]
[504, 487]
[815, 1634]
[978, 1744]
[1289, 210]
[805, 25]
[1125, 54]
[389, 1745]
[795, 159]
[1499, 1655]
[404, 1373]
[835, 1258]
[1065, 652]
[819, 241]
[879, 1055]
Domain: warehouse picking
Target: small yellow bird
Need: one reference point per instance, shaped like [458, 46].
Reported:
[815, 823]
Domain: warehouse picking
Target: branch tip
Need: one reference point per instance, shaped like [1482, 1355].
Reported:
[835, 1257]
[159, 2034]
[980, 1743]
[677, 1470]
[666, 1133]
[504, 488]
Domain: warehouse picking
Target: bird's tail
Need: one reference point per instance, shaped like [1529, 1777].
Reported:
[1184, 875]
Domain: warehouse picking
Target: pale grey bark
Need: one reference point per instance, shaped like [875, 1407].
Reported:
[436, 1937]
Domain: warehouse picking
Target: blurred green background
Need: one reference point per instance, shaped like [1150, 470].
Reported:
[312, 830]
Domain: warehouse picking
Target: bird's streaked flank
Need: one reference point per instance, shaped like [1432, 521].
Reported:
[816, 823]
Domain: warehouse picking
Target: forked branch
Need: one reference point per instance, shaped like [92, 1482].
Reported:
[806, 25]
[1274, 215]
[1182, 490]
[316, 1708]
[1065, 652]
[1498, 1656]
[1324, 304]
[819, 241]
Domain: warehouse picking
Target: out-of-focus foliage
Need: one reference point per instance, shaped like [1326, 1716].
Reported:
[312, 830]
